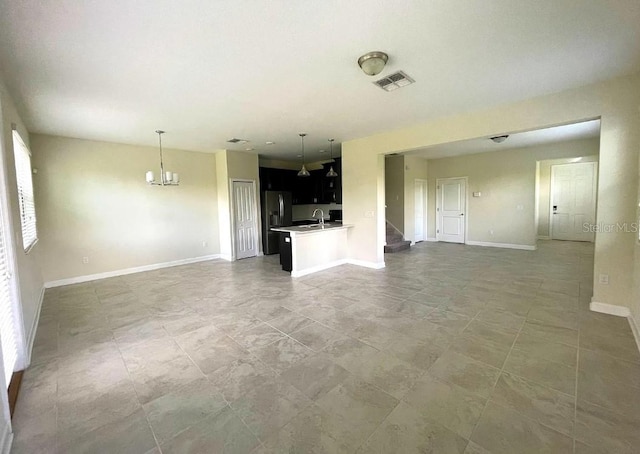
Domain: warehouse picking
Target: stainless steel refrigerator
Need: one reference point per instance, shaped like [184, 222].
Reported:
[276, 212]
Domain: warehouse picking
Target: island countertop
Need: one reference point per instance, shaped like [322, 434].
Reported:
[311, 228]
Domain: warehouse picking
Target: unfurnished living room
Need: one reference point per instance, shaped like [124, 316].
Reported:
[320, 227]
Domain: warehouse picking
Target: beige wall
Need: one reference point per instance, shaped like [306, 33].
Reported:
[506, 181]
[28, 270]
[363, 194]
[544, 187]
[615, 101]
[92, 201]
[415, 168]
[224, 205]
[394, 191]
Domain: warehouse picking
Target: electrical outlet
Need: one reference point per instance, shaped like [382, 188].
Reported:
[85, 260]
[204, 244]
[368, 214]
[603, 279]
[491, 232]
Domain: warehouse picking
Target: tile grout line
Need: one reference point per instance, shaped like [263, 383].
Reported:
[497, 380]
[227, 404]
[146, 416]
[575, 402]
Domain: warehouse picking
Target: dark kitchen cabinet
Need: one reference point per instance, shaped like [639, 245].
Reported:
[315, 189]
[274, 179]
[332, 186]
[307, 189]
[286, 259]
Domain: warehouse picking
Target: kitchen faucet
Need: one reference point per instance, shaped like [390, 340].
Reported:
[321, 215]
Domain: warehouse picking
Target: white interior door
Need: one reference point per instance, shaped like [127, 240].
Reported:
[451, 209]
[420, 210]
[573, 201]
[245, 222]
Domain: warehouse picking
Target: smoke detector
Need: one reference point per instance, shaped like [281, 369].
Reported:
[394, 81]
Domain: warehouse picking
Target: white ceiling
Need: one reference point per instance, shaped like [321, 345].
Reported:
[206, 71]
[576, 131]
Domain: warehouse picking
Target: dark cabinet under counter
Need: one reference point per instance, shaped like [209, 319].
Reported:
[286, 259]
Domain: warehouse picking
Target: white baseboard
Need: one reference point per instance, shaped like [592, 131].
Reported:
[544, 237]
[137, 269]
[433, 240]
[634, 330]
[524, 247]
[227, 257]
[6, 439]
[34, 328]
[366, 264]
[315, 269]
[611, 309]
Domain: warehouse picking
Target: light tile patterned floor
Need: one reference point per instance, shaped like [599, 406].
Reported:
[450, 349]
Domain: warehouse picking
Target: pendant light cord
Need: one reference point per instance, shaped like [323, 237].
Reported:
[161, 162]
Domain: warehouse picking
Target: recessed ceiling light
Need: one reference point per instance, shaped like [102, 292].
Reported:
[235, 140]
[322, 151]
[249, 149]
[269, 142]
[299, 155]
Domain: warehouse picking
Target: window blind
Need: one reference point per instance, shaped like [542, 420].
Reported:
[8, 333]
[25, 192]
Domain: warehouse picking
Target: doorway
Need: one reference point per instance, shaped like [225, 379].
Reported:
[451, 208]
[245, 219]
[420, 207]
[573, 201]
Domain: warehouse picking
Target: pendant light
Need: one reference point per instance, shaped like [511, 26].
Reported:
[303, 171]
[166, 178]
[331, 173]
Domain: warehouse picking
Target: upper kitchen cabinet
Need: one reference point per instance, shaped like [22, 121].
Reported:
[332, 186]
[275, 179]
[306, 190]
[315, 189]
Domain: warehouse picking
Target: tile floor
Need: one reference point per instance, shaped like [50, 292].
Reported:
[450, 349]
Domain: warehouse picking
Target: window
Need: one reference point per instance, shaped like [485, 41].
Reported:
[25, 192]
[8, 333]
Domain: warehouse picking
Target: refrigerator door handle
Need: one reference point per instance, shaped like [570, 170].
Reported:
[281, 201]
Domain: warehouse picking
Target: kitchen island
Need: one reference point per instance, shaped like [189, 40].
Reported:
[313, 247]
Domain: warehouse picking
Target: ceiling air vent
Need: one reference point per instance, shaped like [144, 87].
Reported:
[394, 81]
[234, 140]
